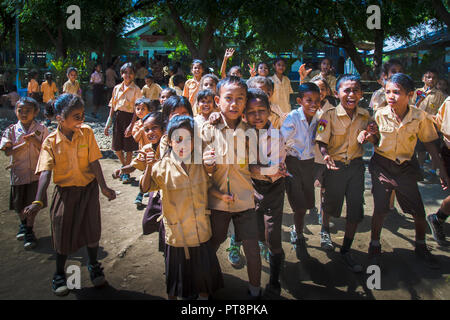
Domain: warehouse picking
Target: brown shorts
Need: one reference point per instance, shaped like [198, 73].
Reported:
[23, 195]
[319, 172]
[245, 225]
[388, 176]
[300, 185]
[119, 142]
[269, 211]
[348, 183]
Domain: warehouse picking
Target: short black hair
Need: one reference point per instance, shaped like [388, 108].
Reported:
[388, 65]
[307, 87]
[70, 69]
[266, 81]
[277, 59]
[202, 94]
[64, 105]
[149, 76]
[157, 116]
[173, 103]
[348, 77]
[404, 81]
[255, 93]
[152, 105]
[431, 70]
[28, 101]
[231, 80]
[171, 90]
[234, 68]
[126, 66]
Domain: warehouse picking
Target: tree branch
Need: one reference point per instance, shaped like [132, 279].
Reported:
[441, 11]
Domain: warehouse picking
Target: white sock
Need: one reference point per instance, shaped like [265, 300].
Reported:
[254, 291]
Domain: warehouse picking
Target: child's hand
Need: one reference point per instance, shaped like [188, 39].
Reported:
[109, 193]
[228, 198]
[252, 70]
[209, 158]
[303, 72]
[229, 53]
[215, 118]
[150, 156]
[27, 137]
[32, 210]
[116, 174]
[128, 132]
[372, 128]
[363, 136]
[7, 145]
[106, 131]
[330, 163]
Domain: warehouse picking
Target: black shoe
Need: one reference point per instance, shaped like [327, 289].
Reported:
[425, 256]
[96, 274]
[300, 249]
[22, 230]
[59, 285]
[29, 241]
[258, 297]
[375, 256]
[437, 230]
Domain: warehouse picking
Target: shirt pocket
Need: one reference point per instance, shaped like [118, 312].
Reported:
[387, 138]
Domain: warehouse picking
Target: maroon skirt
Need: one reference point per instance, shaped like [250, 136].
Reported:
[119, 142]
[75, 217]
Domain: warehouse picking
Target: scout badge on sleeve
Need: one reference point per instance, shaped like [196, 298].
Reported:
[321, 125]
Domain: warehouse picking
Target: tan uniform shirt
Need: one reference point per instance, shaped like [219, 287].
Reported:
[48, 91]
[231, 164]
[152, 92]
[330, 79]
[33, 86]
[281, 93]
[184, 199]
[432, 102]
[277, 116]
[442, 120]
[339, 132]
[318, 158]
[123, 98]
[69, 160]
[398, 140]
[24, 159]
[178, 91]
[378, 100]
[73, 88]
[190, 91]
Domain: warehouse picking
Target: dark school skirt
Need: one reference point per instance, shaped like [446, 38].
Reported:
[119, 143]
[23, 195]
[150, 221]
[189, 277]
[445, 153]
[97, 94]
[75, 217]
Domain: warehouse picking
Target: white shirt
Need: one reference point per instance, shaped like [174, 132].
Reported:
[299, 135]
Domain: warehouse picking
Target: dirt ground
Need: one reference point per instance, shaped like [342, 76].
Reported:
[134, 268]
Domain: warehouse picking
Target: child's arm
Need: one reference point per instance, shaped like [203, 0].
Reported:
[97, 170]
[126, 169]
[326, 157]
[225, 197]
[109, 121]
[209, 161]
[128, 131]
[44, 181]
[228, 54]
[252, 70]
[303, 72]
[435, 156]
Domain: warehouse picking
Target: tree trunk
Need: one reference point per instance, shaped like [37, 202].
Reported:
[378, 53]
[207, 38]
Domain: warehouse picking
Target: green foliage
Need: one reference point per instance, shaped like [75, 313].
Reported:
[81, 61]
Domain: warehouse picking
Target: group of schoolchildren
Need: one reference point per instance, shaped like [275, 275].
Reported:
[318, 143]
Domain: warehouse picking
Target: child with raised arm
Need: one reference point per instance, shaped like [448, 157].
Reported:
[72, 155]
[234, 70]
[191, 264]
[22, 141]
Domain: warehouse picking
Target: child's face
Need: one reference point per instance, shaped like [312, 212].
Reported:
[206, 106]
[263, 70]
[73, 120]
[26, 113]
[310, 103]
[128, 75]
[430, 79]
[325, 66]
[264, 88]
[153, 131]
[98, 68]
[210, 84]
[396, 68]
[179, 111]
[280, 67]
[141, 110]
[73, 75]
[442, 85]
[349, 94]
[231, 101]
[182, 143]
[396, 96]
[165, 94]
[257, 114]
[148, 81]
[197, 70]
[323, 89]
[235, 72]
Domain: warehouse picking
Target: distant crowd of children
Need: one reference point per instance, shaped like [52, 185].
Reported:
[193, 205]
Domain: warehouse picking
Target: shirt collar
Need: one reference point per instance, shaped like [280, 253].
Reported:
[60, 136]
[387, 111]
[340, 111]
[30, 129]
[303, 117]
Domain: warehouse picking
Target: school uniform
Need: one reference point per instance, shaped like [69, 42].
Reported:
[329, 78]
[178, 90]
[75, 208]
[281, 93]
[24, 181]
[97, 88]
[191, 263]
[33, 90]
[232, 175]
[72, 87]
[269, 209]
[48, 91]
[138, 135]
[442, 121]
[190, 91]
[378, 100]
[299, 136]
[122, 102]
[339, 133]
[319, 163]
[277, 116]
[432, 102]
[152, 92]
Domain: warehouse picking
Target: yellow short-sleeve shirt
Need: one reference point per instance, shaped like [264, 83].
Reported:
[48, 91]
[432, 102]
[281, 93]
[151, 92]
[71, 87]
[190, 91]
[33, 86]
[442, 120]
[123, 98]
[69, 160]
